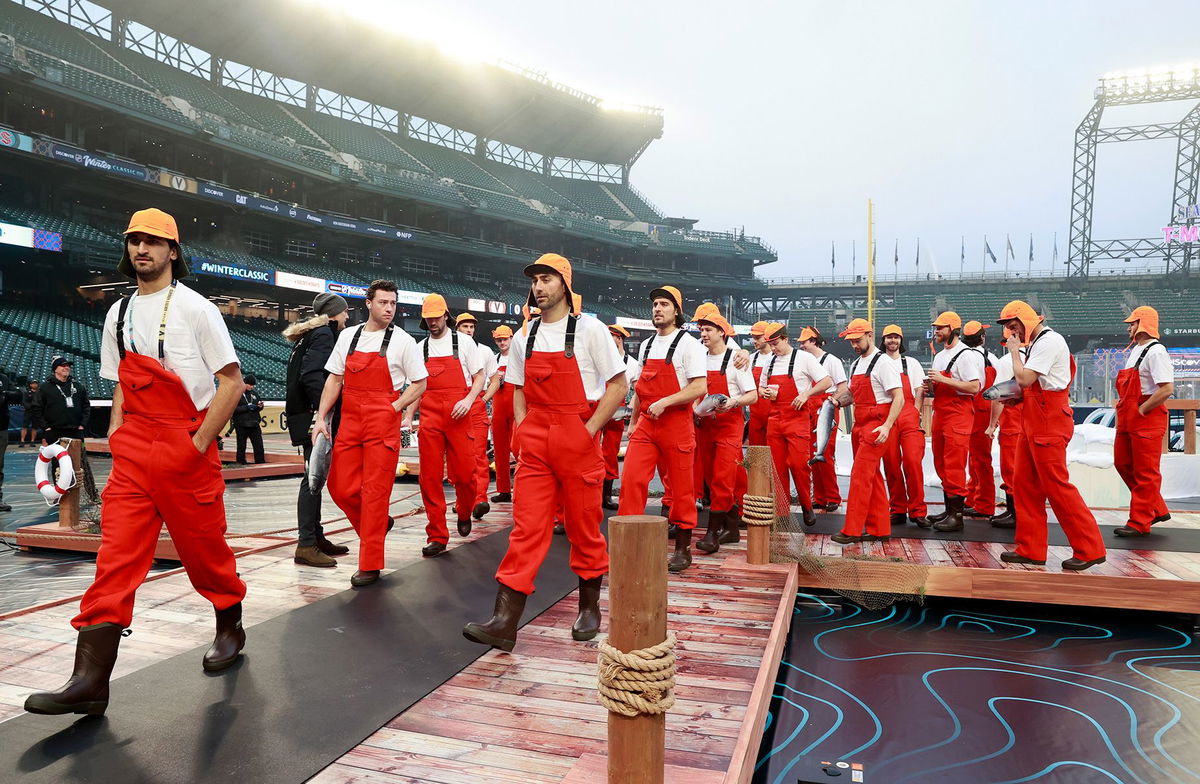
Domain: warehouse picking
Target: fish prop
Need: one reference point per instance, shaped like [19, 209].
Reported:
[825, 420]
[709, 405]
[318, 463]
[1005, 390]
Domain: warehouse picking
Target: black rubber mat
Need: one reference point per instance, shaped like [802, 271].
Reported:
[1174, 540]
[313, 683]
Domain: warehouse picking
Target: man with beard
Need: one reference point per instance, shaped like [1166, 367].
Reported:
[878, 400]
[369, 366]
[614, 429]
[902, 463]
[502, 415]
[826, 494]
[953, 381]
[164, 345]
[465, 324]
[568, 380]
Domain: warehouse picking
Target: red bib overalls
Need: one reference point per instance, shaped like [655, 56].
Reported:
[669, 442]
[1010, 435]
[759, 412]
[1137, 452]
[502, 425]
[981, 489]
[610, 445]
[789, 434]
[825, 484]
[868, 502]
[903, 462]
[447, 445]
[1047, 424]
[479, 430]
[953, 416]
[557, 462]
[719, 445]
[367, 448]
[158, 477]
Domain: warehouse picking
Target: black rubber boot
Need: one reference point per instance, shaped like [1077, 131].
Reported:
[481, 508]
[231, 638]
[807, 514]
[954, 520]
[712, 537]
[682, 557]
[502, 498]
[559, 529]
[87, 690]
[940, 516]
[732, 533]
[607, 501]
[587, 625]
[1007, 518]
[899, 518]
[501, 631]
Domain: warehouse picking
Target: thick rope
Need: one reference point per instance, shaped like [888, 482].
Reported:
[758, 509]
[639, 682]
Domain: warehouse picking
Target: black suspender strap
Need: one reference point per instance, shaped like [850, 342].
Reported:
[425, 347]
[725, 361]
[954, 359]
[674, 345]
[792, 364]
[569, 342]
[358, 334]
[1029, 349]
[387, 338]
[1145, 351]
[771, 366]
[646, 349]
[121, 311]
[874, 359]
[454, 344]
[534, 323]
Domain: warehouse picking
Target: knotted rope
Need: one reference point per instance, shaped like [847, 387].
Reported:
[758, 509]
[639, 682]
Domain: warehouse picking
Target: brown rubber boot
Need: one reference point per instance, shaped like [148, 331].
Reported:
[229, 641]
[501, 631]
[712, 537]
[732, 533]
[87, 690]
[587, 625]
[682, 557]
[312, 556]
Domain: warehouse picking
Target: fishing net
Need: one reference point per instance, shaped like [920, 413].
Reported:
[89, 495]
[864, 573]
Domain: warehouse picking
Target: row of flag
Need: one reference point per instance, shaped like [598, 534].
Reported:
[988, 254]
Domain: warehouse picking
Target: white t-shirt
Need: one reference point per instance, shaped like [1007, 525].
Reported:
[761, 360]
[807, 372]
[403, 359]
[885, 376]
[1050, 358]
[468, 355]
[911, 366]
[688, 360]
[834, 367]
[1004, 368]
[487, 361]
[196, 343]
[595, 353]
[1156, 368]
[739, 381]
[500, 363]
[968, 367]
[632, 370]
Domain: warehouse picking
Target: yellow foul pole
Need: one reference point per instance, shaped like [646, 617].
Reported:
[870, 263]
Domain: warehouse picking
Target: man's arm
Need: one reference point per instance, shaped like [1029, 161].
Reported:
[971, 387]
[994, 418]
[118, 410]
[229, 388]
[614, 395]
[329, 396]
[1157, 398]
[518, 406]
[634, 414]
[492, 388]
[410, 395]
[816, 389]
[893, 414]
[463, 406]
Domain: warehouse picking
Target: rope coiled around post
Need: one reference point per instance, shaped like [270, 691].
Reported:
[758, 509]
[640, 682]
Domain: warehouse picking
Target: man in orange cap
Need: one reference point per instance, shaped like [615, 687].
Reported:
[446, 436]
[757, 433]
[164, 345]
[502, 415]
[981, 487]
[878, 400]
[614, 429]
[1005, 419]
[465, 324]
[791, 379]
[954, 380]
[1142, 388]
[568, 380]
[826, 494]
[902, 463]
[719, 432]
[672, 374]
[1044, 369]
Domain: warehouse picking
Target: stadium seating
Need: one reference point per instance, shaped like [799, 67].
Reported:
[455, 165]
[591, 197]
[636, 203]
[527, 184]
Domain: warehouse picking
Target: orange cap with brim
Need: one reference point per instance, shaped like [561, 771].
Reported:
[434, 305]
[671, 293]
[156, 223]
[772, 330]
[974, 327]
[855, 329]
[756, 330]
[1146, 318]
[1019, 310]
[463, 318]
[552, 262]
[502, 331]
[718, 321]
[617, 329]
[893, 329]
[706, 309]
[808, 333]
[948, 319]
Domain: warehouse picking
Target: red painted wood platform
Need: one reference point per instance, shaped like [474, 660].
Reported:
[49, 536]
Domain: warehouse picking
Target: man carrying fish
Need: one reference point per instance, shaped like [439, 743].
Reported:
[953, 381]
[981, 488]
[369, 366]
[719, 425]
[875, 386]
[1005, 396]
[614, 429]
[502, 415]
[1142, 388]
[673, 373]
[826, 494]
[568, 379]
[790, 380]
[1044, 368]
[902, 462]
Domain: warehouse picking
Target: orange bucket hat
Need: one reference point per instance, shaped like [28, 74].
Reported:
[773, 329]
[502, 331]
[553, 262]
[756, 330]
[808, 333]
[974, 328]
[948, 319]
[855, 329]
[1019, 310]
[463, 318]
[1146, 318]
[156, 223]
[434, 305]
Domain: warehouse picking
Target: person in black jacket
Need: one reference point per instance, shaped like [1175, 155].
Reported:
[9, 394]
[29, 426]
[314, 340]
[247, 420]
[61, 404]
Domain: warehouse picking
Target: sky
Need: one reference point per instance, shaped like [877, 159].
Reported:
[956, 119]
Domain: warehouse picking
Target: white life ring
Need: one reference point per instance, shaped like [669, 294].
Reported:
[53, 491]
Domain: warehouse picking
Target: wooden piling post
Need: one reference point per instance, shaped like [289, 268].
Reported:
[758, 483]
[637, 619]
[68, 505]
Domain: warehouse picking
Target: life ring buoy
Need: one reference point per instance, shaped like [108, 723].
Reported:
[53, 491]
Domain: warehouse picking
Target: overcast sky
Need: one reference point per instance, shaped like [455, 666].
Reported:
[957, 118]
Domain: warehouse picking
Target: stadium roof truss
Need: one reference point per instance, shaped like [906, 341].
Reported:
[1179, 84]
[778, 302]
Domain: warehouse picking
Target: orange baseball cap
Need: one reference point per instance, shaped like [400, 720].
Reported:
[671, 293]
[463, 318]
[772, 330]
[974, 328]
[617, 329]
[757, 329]
[552, 262]
[808, 333]
[1019, 310]
[156, 223]
[705, 309]
[855, 329]
[434, 305]
[717, 320]
[893, 329]
[948, 319]
[502, 331]
[1146, 318]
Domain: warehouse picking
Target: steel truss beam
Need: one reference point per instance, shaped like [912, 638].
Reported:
[1083, 186]
[1179, 255]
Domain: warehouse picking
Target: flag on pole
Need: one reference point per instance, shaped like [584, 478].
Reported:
[918, 254]
[1031, 249]
[962, 251]
[1009, 249]
[896, 254]
[833, 256]
[987, 251]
